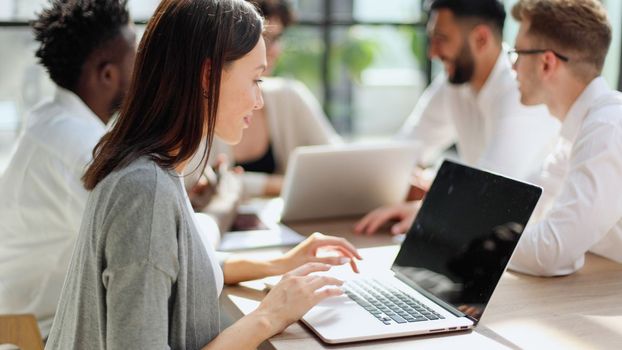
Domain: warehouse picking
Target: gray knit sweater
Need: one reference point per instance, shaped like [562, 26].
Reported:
[139, 277]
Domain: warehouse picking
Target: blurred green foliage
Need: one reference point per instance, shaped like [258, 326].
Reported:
[303, 49]
[418, 43]
[357, 54]
[353, 50]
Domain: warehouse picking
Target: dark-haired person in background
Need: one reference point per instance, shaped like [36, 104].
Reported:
[88, 49]
[140, 277]
[475, 105]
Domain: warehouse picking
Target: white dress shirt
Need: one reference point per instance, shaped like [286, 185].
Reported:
[41, 203]
[581, 206]
[492, 129]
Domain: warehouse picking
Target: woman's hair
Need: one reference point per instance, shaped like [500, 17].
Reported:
[163, 116]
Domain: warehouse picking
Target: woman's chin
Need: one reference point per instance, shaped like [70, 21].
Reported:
[231, 140]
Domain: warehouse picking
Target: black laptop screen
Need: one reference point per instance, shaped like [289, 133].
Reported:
[464, 236]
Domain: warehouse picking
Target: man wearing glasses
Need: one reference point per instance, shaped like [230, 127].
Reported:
[560, 51]
[475, 105]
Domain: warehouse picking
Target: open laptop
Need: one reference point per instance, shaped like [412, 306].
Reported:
[351, 179]
[447, 267]
[320, 182]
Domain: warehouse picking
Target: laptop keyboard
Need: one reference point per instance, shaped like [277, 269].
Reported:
[389, 305]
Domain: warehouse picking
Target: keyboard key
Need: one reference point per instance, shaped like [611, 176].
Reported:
[388, 304]
[398, 319]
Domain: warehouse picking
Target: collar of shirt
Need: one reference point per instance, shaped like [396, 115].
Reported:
[575, 116]
[71, 102]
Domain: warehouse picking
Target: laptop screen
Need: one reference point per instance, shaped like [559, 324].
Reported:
[464, 235]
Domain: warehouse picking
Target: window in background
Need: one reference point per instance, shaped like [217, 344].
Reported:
[365, 60]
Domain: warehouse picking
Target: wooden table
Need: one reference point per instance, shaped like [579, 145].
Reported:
[580, 311]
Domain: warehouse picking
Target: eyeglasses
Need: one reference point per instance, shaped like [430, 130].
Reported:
[513, 54]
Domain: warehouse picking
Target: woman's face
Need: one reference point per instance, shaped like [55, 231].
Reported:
[240, 94]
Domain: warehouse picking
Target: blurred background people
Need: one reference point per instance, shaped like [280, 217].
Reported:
[475, 105]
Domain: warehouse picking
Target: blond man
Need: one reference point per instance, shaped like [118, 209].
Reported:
[560, 51]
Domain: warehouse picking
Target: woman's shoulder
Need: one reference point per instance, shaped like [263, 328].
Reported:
[142, 177]
[137, 208]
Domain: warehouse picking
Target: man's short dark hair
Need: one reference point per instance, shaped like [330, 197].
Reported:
[488, 11]
[70, 30]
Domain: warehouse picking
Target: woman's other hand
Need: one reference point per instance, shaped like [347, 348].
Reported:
[307, 251]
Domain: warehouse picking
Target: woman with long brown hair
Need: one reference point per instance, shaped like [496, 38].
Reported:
[140, 275]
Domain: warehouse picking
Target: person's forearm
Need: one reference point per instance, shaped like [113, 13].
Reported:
[239, 269]
[273, 186]
[247, 333]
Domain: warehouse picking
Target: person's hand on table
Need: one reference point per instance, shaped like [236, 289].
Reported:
[420, 182]
[307, 251]
[296, 293]
[274, 185]
[404, 213]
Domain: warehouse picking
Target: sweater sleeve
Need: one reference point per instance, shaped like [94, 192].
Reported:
[141, 261]
[137, 315]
